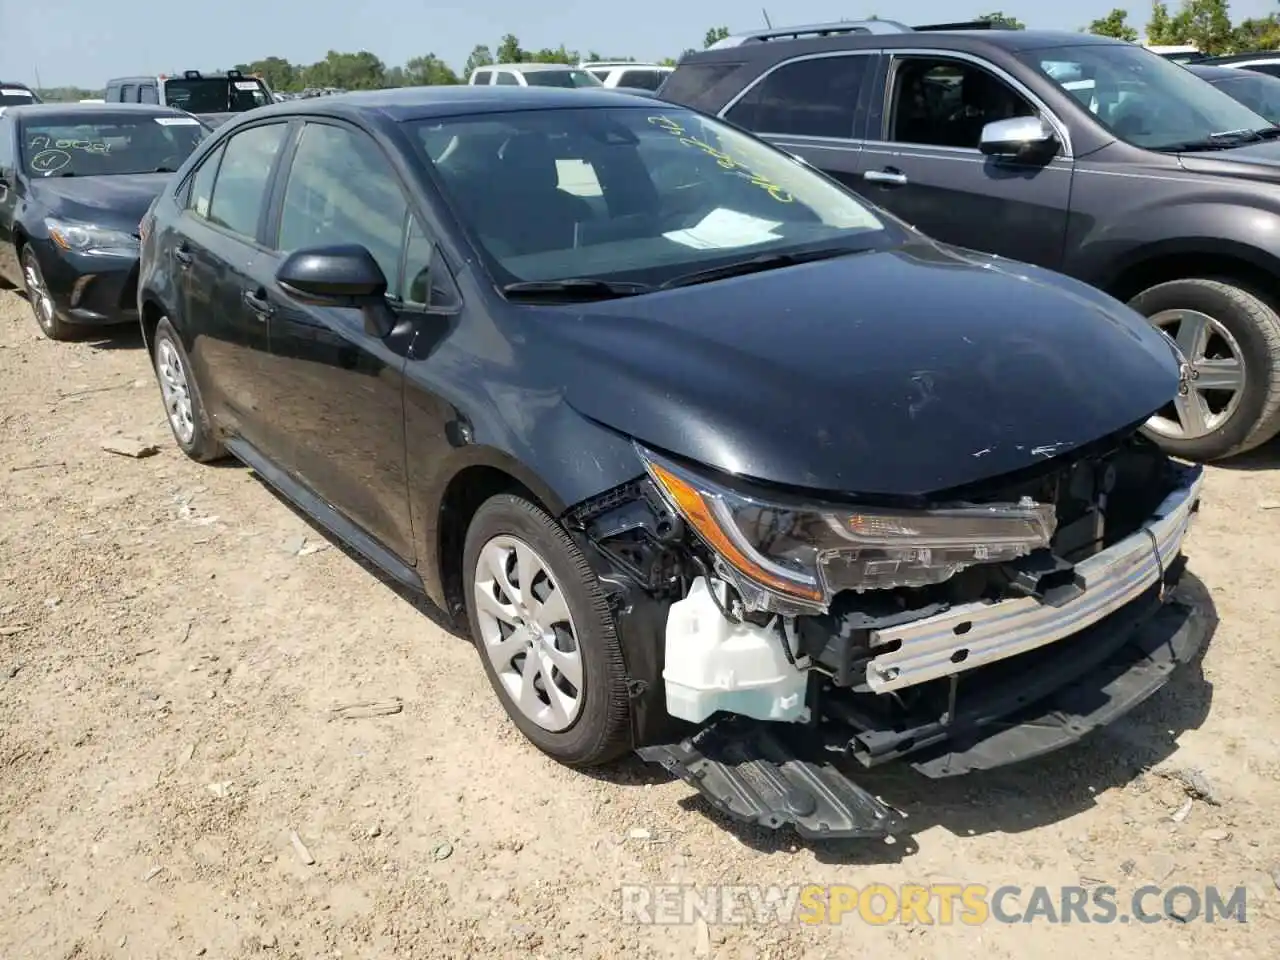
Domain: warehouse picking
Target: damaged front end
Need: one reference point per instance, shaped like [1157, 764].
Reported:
[964, 631]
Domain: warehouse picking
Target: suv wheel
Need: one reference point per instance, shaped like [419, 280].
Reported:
[1229, 339]
[545, 634]
[182, 404]
[46, 313]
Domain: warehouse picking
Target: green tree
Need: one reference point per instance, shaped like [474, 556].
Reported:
[1000, 19]
[510, 51]
[714, 36]
[279, 73]
[347, 71]
[1258, 33]
[428, 71]
[1208, 25]
[1161, 29]
[1114, 24]
[480, 56]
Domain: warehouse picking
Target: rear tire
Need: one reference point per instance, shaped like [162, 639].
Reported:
[564, 609]
[183, 406]
[1213, 321]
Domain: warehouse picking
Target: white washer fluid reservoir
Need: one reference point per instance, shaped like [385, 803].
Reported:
[712, 664]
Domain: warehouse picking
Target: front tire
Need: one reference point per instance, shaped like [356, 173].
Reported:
[1230, 340]
[40, 300]
[183, 406]
[545, 634]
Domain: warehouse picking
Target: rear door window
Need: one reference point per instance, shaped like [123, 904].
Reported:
[243, 175]
[129, 93]
[816, 97]
[507, 78]
[147, 94]
[642, 79]
[482, 77]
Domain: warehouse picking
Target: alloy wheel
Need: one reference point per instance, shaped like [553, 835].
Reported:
[175, 390]
[528, 633]
[1213, 375]
[38, 292]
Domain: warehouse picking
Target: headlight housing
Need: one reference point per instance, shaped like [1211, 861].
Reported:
[90, 239]
[794, 557]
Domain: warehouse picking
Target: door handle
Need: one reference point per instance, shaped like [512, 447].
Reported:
[888, 175]
[183, 256]
[257, 302]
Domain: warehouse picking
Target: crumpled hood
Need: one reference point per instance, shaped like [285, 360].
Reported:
[118, 201]
[896, 373]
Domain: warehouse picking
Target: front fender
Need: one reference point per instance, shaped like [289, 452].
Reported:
[1246, 231]
[559, 456]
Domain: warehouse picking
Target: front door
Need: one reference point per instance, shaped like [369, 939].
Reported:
[927, 167]
[221, 257]
[345, 386]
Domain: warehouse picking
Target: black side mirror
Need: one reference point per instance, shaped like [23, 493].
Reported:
[339, 276]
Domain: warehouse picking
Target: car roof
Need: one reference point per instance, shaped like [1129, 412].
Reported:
[1259, 56]
[423, 103]
[1010, 40]
[1210, 72]
[531, 67]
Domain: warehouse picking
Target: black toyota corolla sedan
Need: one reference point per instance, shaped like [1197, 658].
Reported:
[712, 459]
[75, 180]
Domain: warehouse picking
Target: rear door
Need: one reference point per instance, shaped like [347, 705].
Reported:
[220, 253]
[922, 160]
[811, 106]
[344, 386]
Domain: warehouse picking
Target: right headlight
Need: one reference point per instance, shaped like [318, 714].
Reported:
[797, 556]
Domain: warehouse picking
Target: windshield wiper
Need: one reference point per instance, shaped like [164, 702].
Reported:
[574, 288]
[1225, 140]
[758, 264]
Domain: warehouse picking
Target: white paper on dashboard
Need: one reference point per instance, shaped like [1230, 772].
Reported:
[15, 92]
[177, 121]
[246, 84]
[725, 229]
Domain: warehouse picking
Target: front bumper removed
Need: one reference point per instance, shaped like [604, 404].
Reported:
[773, 774]
[1035, 678]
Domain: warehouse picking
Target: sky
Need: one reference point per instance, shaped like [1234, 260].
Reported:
[85, 42]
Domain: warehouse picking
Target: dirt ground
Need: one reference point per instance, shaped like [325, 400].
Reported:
[172, 638]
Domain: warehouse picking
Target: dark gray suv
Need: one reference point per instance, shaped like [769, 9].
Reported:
[1087, 155]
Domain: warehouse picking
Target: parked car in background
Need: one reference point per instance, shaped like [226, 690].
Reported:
[1082, 154]
[1178, 52]
[533, 75]
[1260, 61]
[214, 97]
[16, 95]
[630, 75]
[713, 458]
[75, 179]
[1259, 92]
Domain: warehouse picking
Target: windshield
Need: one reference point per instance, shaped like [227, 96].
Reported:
[109, 145]
[634, 195]
[1141, 97]
[1257, 91]
[215, 94]
[15, 97]
[560, 78]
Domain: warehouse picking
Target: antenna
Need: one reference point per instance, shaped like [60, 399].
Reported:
[39, 85]
[767, 22]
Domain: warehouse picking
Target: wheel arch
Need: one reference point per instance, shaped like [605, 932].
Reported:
[475, 476]
[1207, 259]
